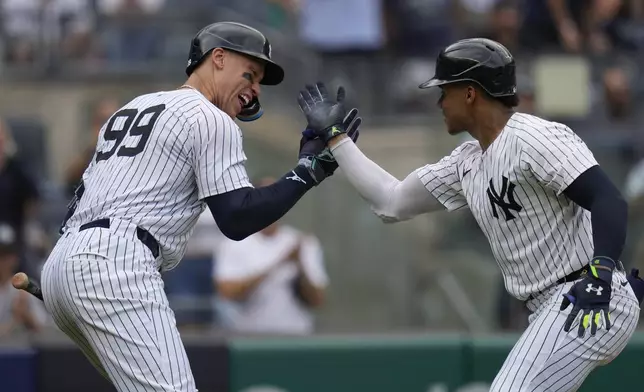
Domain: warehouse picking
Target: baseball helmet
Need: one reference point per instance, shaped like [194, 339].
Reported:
[238, 38]
[482, 61]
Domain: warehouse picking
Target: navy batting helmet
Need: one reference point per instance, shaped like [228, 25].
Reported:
[482, 61]
[239, 38]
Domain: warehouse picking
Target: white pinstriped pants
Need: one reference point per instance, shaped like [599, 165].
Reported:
[548, 359]
[103, 290]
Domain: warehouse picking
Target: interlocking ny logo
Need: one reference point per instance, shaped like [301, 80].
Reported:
[499, 200]
[597, 289]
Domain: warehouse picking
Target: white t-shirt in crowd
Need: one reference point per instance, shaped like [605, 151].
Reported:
[272, 307]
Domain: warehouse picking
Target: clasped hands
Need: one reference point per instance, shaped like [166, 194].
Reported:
[326, 119]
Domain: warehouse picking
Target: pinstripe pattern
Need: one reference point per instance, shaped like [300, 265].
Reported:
[104, 292]
[550, 237]
[548, 359]
[194, 151]
[537, 241]
[156, 159]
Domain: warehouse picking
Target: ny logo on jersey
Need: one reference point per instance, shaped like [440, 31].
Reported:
[507, 193]
[597, 289]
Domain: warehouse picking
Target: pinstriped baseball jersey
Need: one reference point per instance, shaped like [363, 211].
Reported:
[514, 189]
[156, 159]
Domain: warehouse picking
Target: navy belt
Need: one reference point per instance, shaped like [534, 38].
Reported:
[143, 235]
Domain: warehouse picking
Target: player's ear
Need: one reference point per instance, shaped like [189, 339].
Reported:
[470, 94]
[218, 55]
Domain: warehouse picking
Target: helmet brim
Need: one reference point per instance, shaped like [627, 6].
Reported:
[273, 72]
[434, 83]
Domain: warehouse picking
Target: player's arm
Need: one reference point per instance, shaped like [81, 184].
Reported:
[595, 192]
[244, 211]
[562, 162]
[391, 200]
[219, 163]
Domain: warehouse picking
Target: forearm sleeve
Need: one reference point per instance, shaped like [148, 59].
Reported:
[593, 191]
[245, 211]
[392, 200]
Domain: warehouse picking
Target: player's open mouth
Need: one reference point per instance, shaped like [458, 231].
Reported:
[244, 99]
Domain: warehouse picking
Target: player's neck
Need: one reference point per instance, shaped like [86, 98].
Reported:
[489, 127]
[198, 83]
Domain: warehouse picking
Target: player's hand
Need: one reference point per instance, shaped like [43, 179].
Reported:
[316, 156]
[324, 116]
[591, 297]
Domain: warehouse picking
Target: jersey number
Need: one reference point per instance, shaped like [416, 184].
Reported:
[137, 129]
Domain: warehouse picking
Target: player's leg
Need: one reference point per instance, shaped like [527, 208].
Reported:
[118, 304]
[51, 286]
[548, 359]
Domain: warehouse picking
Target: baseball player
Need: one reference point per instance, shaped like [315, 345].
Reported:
[555, 222]
[159, 161]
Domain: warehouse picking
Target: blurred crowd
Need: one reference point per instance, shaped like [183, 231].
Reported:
[380, 50]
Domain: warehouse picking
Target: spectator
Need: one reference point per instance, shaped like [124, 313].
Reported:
[349, 37]
[634, 194]
[419, 28]
[504, 22]
[102, 112]
[474, 15]
[19, 310]
[65, 26]
[627, 29]
[19, 192]
[620, 122]
[271, 281]
[189, 286]
[131, 36]
[569, 24]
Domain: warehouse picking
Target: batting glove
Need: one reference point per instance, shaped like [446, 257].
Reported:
[316, 157]
[591, 297]
[323, 115]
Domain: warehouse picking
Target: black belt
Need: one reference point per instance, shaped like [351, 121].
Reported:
[143, 235]
[571, 277]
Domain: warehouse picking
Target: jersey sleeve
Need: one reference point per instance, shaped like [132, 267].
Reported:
[556, 156]
[442, 180]
[219, 158]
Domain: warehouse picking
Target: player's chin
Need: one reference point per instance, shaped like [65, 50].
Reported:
[452, 129]
[234, 110]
